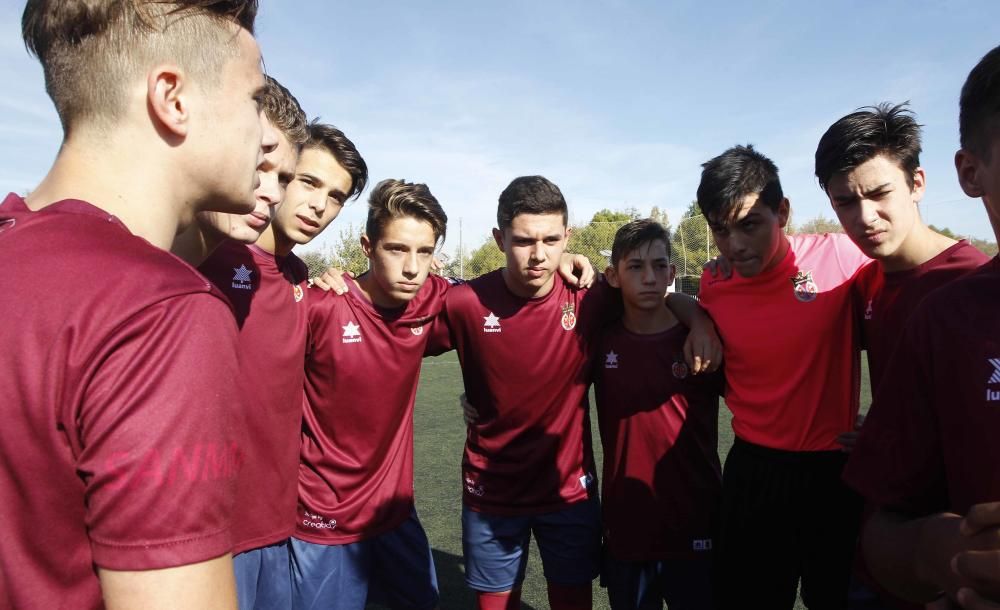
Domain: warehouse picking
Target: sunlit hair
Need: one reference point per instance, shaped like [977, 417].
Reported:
[731, 177]
[979, 106]
[530, 195]
[284, 112]
[91, 50]
[391, 199]
[633, 234]
[884, 129]
[328, 138]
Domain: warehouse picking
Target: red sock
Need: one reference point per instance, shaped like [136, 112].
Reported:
[505, 600]
[570, 597]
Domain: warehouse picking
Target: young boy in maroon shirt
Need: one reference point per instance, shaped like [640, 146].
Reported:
[356, 517]
[119, 379]
[659, 428]
[868, 164]
[924, 454]
[524, 338]
[267, 292]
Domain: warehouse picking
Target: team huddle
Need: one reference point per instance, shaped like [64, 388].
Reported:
[191, 422]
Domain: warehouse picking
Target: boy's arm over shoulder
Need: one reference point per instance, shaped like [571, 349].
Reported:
[158, 435]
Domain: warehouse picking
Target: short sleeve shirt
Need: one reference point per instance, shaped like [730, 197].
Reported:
[930, 442]
[790, 345]
[119, 441]
[356, 474]
[662, 480]
[268, 296]
[886, 300]
[525, 368]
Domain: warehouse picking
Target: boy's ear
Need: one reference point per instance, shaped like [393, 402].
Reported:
[612, 276]
[967, 166]
[366, 246]
[498, 237]
[784, 209]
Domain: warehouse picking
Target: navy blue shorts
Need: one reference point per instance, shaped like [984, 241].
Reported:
[496, 547]
[263, 579]
[683, 584]
[395, 569]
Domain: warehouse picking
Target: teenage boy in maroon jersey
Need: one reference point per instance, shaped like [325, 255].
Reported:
[528, 466]
[868, 164]
[267, 290]
[356, 518]
[920, 456]
[119, 379]
[659, 428]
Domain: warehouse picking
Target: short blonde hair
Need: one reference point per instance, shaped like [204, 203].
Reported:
[89, 49]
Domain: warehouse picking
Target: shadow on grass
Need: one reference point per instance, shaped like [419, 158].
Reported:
[455, 594]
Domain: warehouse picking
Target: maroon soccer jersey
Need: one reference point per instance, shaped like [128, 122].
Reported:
[525, 367]
[356, 471]
[660, 431]
[267, 293]
[930, 442]
[886, 300]
[118, 440]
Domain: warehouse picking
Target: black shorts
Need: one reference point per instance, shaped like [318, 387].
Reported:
[786, 517]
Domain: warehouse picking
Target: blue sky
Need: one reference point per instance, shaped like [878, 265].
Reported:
[617, 102]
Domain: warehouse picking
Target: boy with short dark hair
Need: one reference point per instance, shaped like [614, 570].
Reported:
[792, 373]
[356, 517]
[119, 379]
[524, 337]
[659, 428]
[868, 163]
[924, 455]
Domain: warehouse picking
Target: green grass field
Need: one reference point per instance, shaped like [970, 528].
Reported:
[439, 438]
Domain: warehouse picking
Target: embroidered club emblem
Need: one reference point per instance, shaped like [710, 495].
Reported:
[611, 360]
[568, 317]
[297, 292]
[679, 369]
[804, 287]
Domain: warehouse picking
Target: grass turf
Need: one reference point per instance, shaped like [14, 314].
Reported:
[439, 438]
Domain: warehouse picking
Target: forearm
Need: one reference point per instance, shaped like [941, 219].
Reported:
[911, 558]
[687, 309]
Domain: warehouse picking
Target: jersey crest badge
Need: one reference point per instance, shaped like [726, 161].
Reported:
[241, 278]
[803, 286]
[491, 324]
[297, 292]
[568, 317]
[352, 333]
[679, 369]
[611, 360]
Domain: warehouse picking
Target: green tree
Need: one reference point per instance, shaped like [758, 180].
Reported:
[660, 216]
[316, 261]
[599, 235]
[692, 246]
[484, 259]
[347, 254]
[820, 225]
